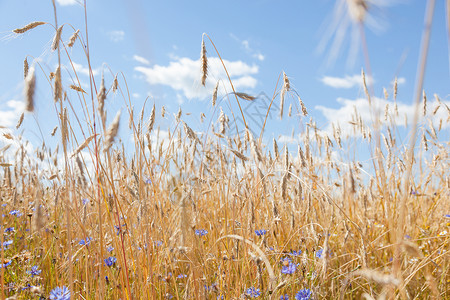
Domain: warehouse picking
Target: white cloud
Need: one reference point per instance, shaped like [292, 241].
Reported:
[344, 82]
[345, 114]
[80, 69]
[116, 35]
[400, 80]
[10, 115]
[184, 75]
[246, 44]
[141, 59]
[67, 2]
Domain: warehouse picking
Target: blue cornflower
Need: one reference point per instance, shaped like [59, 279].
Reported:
[181, 276]
[289, 269]
[158, 243]
[407, 236]
[303, 294]
[447, 216]
[252, 292]
[85, 201]
[86, 242]
[319, 253]
[34, 271]
[148, 181]
[110, 261]
[7, 243]
[14, 212]
[60, 293]
[286, 260]
[201, 232]
[285, 297]
[9, 229]
[110, 248]
[296, 253]
[260, 232]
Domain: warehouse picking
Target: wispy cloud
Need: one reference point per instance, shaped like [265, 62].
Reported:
[116, 35]
[67, 2]
[246, 45]
[345, 113]
[141, 59]
[10, 114]
[344, 82]
[80, 69]
[183, 75]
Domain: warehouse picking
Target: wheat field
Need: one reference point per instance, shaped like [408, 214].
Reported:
[223, 213]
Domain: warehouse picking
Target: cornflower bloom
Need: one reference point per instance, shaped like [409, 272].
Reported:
[252, 292]
[34, 271]
[201, 232]
[110, 261]
[60, 293]
[260, 232]
[303, 294]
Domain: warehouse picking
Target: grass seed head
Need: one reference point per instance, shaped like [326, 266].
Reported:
[73, 38]
[28, 27]
[204, 61]
[112, 132]
[30, 85]
[57, 38]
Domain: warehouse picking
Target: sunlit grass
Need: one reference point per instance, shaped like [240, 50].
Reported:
[217, 214]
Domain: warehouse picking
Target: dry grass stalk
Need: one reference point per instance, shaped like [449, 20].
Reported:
[163, 111]
[54, 131]
[112, 132]
[77, 88]
[79, 171]
[395, 88]
[254, 147]
[245, 96]
[57, 85]
[115, 84]
[366, 91]
[424, 103]
[214, 97]
[223, 122]
[20, 121]
[64, 129]
[83, 145]
[290, 110]
[378, 277]
[386, 95]
[57, 38]
[151, 121]
[25, 68]
[239, 155]
[28, 27]
[101, 96]
[8, 136]
[204, 61]
[178, 115]
[302, 105]
[73, 38]
[190, 133]
[424, 142]
[30, 85]
[286, 88]
[275, 149]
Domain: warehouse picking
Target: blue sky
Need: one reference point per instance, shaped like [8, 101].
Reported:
[156, 44]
